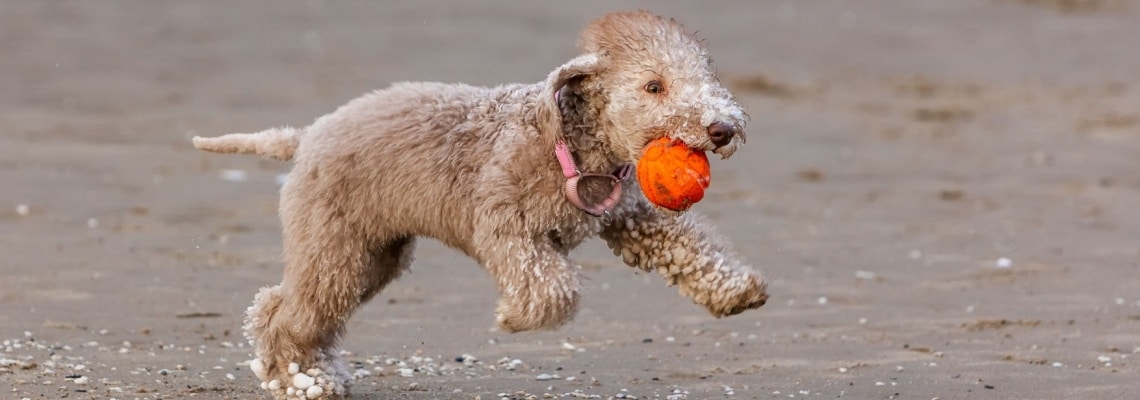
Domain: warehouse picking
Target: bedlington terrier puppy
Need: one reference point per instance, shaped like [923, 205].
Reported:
[514, 176]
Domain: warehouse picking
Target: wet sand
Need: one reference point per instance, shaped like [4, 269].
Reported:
[943, 196]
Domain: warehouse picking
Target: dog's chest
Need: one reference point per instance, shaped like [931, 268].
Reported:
[568, 236]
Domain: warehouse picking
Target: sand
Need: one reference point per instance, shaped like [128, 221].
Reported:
[942, 194]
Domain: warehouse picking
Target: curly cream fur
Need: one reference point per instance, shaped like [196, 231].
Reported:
[474, 168]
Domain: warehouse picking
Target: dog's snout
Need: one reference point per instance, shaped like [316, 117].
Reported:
[720, 133]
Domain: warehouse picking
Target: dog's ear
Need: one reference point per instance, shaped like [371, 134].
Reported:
[549, 115]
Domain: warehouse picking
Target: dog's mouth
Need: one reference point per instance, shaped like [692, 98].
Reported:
[724, 151]
[727, 150]
[704, 143]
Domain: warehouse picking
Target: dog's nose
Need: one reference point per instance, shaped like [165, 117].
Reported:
[720, 133]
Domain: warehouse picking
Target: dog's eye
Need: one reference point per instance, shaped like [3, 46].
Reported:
[654, 87]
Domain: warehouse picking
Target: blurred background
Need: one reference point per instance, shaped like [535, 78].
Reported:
[942, 195]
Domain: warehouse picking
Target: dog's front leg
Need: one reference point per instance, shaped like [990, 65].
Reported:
[687, 253]
[538, 285]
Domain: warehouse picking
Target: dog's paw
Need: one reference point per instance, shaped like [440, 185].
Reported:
[324, 382]
[535, 313]
[751, 292]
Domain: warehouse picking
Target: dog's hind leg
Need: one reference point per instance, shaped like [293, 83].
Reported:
[332, 268]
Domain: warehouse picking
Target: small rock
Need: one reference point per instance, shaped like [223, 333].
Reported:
[258, 368]
[302, 381]
[544, 377]
[233, 175]
[1040, 158]
[1003, 263]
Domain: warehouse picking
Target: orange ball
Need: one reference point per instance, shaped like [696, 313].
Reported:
[672, 175]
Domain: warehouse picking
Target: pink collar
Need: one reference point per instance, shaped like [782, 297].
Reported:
[570, 171]
[573, 175]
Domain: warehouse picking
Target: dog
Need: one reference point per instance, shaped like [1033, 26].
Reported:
[513, 176]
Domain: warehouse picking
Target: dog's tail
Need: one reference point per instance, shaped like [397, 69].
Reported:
[275, 143]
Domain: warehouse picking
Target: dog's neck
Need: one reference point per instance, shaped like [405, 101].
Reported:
[580, 125]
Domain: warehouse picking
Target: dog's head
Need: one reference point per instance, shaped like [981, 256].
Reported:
[644, 77]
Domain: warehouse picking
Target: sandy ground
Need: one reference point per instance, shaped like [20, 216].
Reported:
[898, 151]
